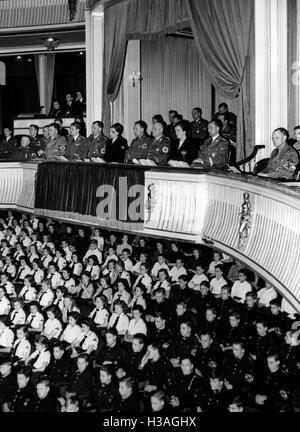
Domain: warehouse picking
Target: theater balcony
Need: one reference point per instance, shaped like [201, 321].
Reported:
[254, 220]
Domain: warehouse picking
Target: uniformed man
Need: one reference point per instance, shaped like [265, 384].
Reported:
[188, 387]
[261, 342]
[229, 133]
[60, 367]
[215, 150]
[284, 160]
[208, 357]
[239, 369]
[133, 358]
[61, 130]
[22, 399]
[70, 109]
[56, 145]
[170, 131]
[139, 146]
[223, 109]
[82, 380]
[105, 394]
[27, 150]
[97, 141]
[159, 148]
[8, 381]
[216, 396]
[79, 104]
[77, 148]
[43, 400]
[186, 344]
[36, 140]
[56, 110]
[272, 387]
[8, 144]
[198, 127]
[113, 352]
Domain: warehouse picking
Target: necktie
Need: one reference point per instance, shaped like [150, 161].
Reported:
[94, 313]
[16, 346]
[116, 322]
[31, 320]
[13, 315]
[83, 340]
[42, 296]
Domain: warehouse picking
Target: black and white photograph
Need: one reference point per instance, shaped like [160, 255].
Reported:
[149, 210]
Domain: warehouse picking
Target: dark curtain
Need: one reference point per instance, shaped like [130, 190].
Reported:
[153, 19]
[72, 187]
[115, 46]
[222, 31]
[292, 64]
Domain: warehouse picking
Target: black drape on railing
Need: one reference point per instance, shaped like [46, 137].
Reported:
[74, 188]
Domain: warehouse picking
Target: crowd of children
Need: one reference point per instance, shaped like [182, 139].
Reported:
[100, 321]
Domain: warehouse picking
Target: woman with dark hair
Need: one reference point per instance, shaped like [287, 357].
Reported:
[184, 148]
[116, 146]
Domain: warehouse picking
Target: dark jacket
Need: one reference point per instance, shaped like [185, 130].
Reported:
[115, 151]
[187, 152]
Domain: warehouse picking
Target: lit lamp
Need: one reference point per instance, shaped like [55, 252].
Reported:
[50, 43]
[135, 77]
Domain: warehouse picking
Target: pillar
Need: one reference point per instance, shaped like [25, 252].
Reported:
[94, 30]
[271, 77]
[42, 71]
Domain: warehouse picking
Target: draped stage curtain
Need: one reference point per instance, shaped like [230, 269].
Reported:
[222, 31]
[115, 44]
[173, 77]
[293, 110]
[49, 61]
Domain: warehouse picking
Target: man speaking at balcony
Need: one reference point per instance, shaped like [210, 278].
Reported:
[215, 150]
[56, 145]
[284, 160]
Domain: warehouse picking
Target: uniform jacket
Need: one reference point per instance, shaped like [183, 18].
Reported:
[105, 397]
[22, 400]
[29, 152]
[96, 146]
[77, 149]
[214, 154]
[115, 151]
[198, 129]
[55, 147]
[283, 163]
[159, 150]
[7, 148]
[187, 152]
[138, 148]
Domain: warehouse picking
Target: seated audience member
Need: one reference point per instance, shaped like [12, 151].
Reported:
[73, 329]
[284, 160]
[223, 109]
[139, 146]
[26, 150]
[6, 335]
[97, 141]
[128, 402]
[296, 145]
[170, 130]
[218, 281]
[198, 277]
[198, 127]
[18, 315]
[116, 146]
[8, 381]
[229, 133]
[215, 150]
[56, 146]
[44, 401]
[136, 324]
[53, 326]
[217, 260]
[77, 148]
[159, 265]
[183, 148]
[159, 148]
[61, 130]
[163, 282]
[8, 144]
[35, 319]
[56, 110]
[87, 341]
[177, 271]
[79, 104]
[100, 314]
[113, 352]
[5, 305]
[105, 395]
[69, 110]
[40, 358]
[265, 295]
[119, 320]
[36, 140]
[22, 399]
[241, 287]
[22, 346]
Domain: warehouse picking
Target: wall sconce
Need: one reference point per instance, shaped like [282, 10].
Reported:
[50, 43]
[135, 77]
